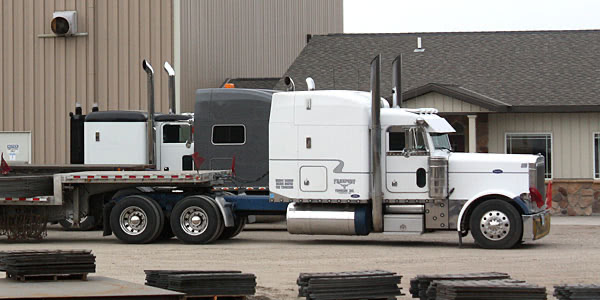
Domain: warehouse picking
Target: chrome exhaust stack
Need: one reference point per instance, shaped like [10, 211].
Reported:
[376, 180]
[289, 83]
[171, 73]
[150, 72]
[397, 81]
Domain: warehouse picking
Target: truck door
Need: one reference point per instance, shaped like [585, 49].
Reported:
[176, 147]
[406, 159]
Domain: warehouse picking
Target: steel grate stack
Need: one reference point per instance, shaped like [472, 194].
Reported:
[488, 289]
[577, 291]
[419, 285]
[48, 264]
[203, 283]
[349, 285]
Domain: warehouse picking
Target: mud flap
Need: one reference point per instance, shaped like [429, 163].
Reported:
[106, 218]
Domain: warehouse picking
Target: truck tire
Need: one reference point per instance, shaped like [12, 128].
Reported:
[495, 224]
[86, 223]
[136, 219]
[231, 232]
[196, 220]
[166, 233]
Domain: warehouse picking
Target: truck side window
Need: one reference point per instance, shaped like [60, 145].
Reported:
[229, 134]
[175, 133]
[397, 141]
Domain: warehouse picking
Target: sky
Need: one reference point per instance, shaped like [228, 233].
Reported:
[370, 16]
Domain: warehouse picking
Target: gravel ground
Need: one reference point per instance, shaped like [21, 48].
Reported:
[568, 255]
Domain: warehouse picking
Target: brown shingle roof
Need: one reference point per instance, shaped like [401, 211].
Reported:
[526, 70]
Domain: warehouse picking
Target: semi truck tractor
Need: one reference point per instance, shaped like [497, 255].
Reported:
[333, 162]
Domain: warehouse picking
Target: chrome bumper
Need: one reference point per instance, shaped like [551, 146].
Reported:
[536, 226]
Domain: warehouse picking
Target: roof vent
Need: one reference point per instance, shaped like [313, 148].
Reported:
[419, 45]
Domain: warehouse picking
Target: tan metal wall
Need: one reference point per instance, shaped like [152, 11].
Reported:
[572, 138]
[443, 103]
[239, 38]
[42, 78]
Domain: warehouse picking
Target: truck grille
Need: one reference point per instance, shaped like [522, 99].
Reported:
[540, 167]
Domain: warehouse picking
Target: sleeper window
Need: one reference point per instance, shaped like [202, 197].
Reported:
[229, 134]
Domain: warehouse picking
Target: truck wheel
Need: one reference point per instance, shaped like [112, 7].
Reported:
[136, 220]
[166, 233]
[85, 224]
[231, 232]
[495, 224]
[196, 220]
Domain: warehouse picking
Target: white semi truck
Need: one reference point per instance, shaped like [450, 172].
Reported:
[339, 162]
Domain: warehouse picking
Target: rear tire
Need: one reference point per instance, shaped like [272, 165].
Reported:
[495, 224]
[237, 228]
[196, 220]
[136, 219]
[85, 224]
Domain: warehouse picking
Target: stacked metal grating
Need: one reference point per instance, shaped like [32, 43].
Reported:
[203, 283]
[419, 285]
[362, 285]
[488, 289]
[24, 265]
[577, 291]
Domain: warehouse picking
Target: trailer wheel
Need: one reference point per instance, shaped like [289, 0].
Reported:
[196, 220]
[136, 220]
[85, 223]
[237, 228]
[495, 224]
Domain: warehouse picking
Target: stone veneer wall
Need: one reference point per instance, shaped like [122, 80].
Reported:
[575, 197]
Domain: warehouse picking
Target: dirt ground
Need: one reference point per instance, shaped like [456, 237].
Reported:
[570, 254]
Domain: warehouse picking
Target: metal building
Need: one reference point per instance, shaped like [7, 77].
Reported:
[42, 76]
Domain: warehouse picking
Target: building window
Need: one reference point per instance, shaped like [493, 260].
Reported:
[229, 134]
[596, 155]
[531, 143]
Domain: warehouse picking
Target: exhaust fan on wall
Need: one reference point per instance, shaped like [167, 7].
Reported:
[64, 23]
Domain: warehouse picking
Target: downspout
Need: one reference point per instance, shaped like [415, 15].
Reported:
[376, 180]
[148, 68]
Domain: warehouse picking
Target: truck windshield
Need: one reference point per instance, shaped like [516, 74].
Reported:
[441, 141]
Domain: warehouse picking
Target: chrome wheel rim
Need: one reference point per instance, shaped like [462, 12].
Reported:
[133, 220]
[194, 220]
[495, 225]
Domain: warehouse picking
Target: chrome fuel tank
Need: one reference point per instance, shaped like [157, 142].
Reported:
[328, 219]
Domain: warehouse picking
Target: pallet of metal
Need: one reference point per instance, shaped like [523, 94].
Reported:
[488, 289]
[420, 284]
[349, 285]
[577, 291]
[47, 265]
[204, 284]
[216, 297]
[432, 290]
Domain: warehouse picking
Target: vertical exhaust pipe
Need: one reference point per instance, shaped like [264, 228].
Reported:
[171, 73]
[150, 71]
[397, 81]
[376, 180]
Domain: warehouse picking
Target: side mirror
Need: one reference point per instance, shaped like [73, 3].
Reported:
[190, 139]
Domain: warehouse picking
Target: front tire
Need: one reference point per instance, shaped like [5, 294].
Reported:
[495, 224]
[196, 220]
[135, 219]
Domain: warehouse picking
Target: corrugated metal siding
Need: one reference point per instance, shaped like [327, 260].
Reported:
[443, 103]
[572, 138]
[42, 78]
[233, 38]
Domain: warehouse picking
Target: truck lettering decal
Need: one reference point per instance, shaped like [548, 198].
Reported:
[344, 183]
[284, 184]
